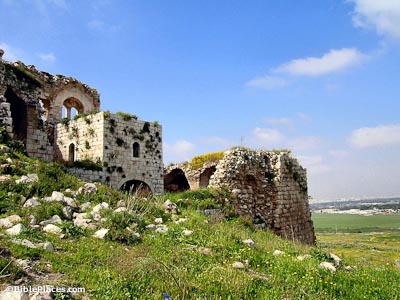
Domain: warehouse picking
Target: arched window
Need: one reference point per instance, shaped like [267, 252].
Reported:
[72, 107]
[71, 153]
[136, 150]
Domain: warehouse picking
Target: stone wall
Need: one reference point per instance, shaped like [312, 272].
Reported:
[111, 139]
[269, 187]
[31, 107]
[31, 103]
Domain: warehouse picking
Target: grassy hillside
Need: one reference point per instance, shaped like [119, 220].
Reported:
[193, 259]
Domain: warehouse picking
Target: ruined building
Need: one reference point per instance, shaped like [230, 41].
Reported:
[128, 151]
[58, 118]
[269, 187]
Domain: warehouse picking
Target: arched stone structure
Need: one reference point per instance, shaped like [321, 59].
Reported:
[71, 103]
[134, 186]
[176, 181]
[72, 96]
[205, 176]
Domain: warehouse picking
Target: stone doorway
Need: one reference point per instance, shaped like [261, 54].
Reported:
[19, 115]
[136, 187]
[176, 181]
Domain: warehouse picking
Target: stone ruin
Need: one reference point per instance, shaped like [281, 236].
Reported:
[126, 152]
[37, 110]
[269, 187]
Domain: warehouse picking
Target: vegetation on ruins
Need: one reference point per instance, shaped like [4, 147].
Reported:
[193, 259]
[198, 161]
[126, 116]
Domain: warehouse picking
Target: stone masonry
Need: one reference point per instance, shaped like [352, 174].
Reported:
[269, 187]
[128, 150]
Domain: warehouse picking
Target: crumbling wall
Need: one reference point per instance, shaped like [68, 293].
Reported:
[269, 187]
[31, 104]
[128, 150]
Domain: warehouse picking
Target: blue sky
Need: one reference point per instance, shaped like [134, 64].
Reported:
[318, 77]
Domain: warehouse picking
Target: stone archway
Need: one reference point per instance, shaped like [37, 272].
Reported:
[71, 104]
[205, 176]
[136, 187]
[176, 181]
[19, 115]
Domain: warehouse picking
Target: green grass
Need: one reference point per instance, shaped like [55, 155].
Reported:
[368, 240]
[355, 223]
[119, 268]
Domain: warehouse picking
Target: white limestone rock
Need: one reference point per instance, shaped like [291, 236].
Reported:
[161, 229]
[57, 196]
[278, 252]
[30, 178]
[170, 207]
[88, 188]
[85, 206]
[328, 266]
[336, 259]
[99, 207]
[238, 265]
[158, 220]
[53, 220]
[16, 229]
[9, 221]
[101, 234]
[187, 232]
[303, 257]
[50, 228]
[67, 212]
[249, 242]
[32, 202]
[13, 295]
[120, 209]
[151, 226]
[25, 243]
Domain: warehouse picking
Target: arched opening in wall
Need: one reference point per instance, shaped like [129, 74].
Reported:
[136, 187]
[206, 175]
[176, 181]
[71, 152]
[136, 150]
[71, 108]
[19, 115]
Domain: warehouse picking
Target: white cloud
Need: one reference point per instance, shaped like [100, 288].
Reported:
[272, 138]
[181, 150]
[314, 164]
[383, 135]
[268, 137]
[333, 61]
[303, 117]
[280, 121]
[96, 24]
[304, 143]
[47, 57]
[267, 82]
[10, 53]
[339, 153]
[383, 15]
